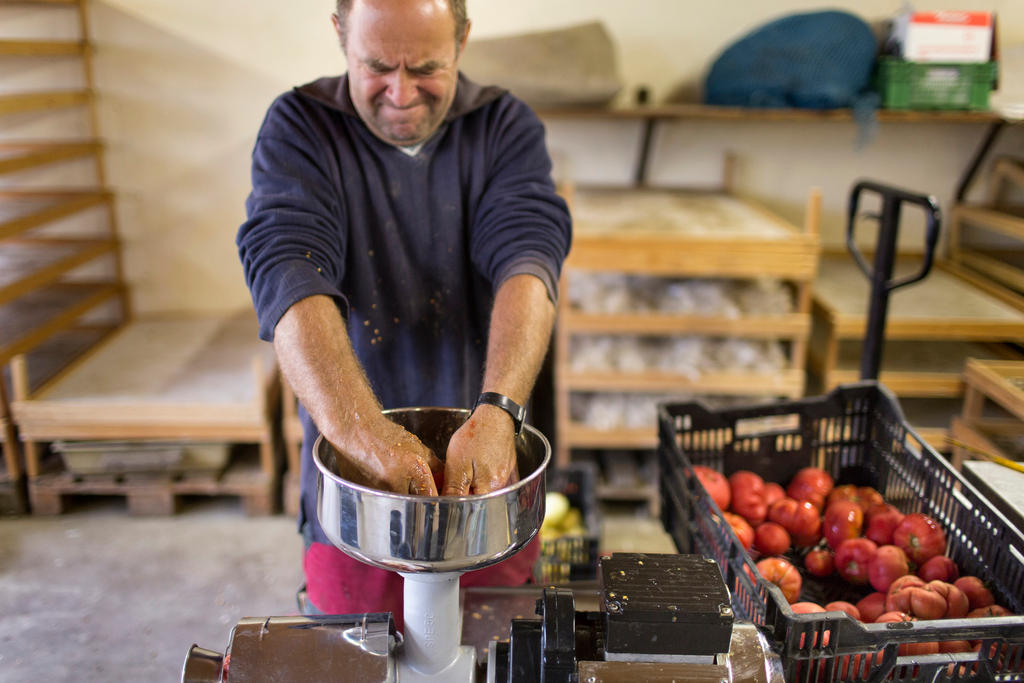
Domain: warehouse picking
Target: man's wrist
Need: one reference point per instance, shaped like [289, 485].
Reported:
[506, 404]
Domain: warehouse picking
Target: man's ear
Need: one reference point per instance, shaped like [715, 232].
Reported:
[338, 29]
[465, 36]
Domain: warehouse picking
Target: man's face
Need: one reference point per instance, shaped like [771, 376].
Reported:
[402, 65]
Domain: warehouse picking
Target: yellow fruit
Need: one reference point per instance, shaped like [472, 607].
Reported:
[556, 506]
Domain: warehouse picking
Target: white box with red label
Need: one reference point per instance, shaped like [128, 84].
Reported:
[950, 36]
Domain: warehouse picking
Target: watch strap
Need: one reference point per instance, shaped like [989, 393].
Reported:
[515, 411]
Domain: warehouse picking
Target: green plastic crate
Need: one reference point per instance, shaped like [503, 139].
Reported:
[915, 85]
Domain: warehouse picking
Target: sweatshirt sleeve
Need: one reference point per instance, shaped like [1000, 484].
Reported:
[521, 225]
[292, 243]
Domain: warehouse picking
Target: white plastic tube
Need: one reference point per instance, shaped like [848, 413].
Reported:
[433, 621]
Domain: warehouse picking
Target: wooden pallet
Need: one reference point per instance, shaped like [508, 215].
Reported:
[202, 377]
[158, 494]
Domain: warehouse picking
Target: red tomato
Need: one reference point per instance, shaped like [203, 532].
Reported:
[773, 492]
[871, 607]
[742, 529]
[715, 484]
[843, 606]
[890, 563]
[905, 649]
[843, 520]
[990, 611]
[806, 607]
[750, 506]
[799, 518]
[977, 595]
[853, 557]
[820, 562]
[746, 481]
[771, 539]
[956, 602]
[909, 594]
[939, 568]
[921, 537]
[864, 496]
[810, 483]
[882, 520]
[782, 574]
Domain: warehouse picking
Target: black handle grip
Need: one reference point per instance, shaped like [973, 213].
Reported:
[892, 199]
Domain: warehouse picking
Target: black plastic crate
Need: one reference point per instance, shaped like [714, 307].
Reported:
[859, 435]
[573, 558]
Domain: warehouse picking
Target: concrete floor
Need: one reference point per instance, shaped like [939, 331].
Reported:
[99, 595]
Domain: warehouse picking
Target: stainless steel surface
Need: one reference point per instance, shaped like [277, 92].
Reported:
[411, 534]
[749, 660]
[357, 648]
[202, 666]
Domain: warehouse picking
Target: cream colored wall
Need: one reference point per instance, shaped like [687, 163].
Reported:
[185, 84]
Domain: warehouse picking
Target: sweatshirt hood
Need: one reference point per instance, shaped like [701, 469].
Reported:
[332, 91]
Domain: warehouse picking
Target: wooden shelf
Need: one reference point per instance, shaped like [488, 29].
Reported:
[23, 210]
[43, 101]
[28, 264]
[1005, 266]
[680, 235]
[582, 436]
[39, 2]
[1005, 220]
[944, 305]
[1002, 382]
[20, 156]
[701, 112]
[42, 48]
[31, 319]
[924, 369]
[783, 383]
[746, 327]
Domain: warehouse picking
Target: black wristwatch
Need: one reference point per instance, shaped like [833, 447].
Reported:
[515, 411]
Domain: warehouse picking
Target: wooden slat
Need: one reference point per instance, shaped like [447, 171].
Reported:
[41, 48]
[1000, 381]
[746, 327]
[55, 206]
[16, 157]
[1005, 273]
[947, 305]
[998, 220]
[39, 2]
[785, 383]
[711, 113]
[907, 384]
[581, 436]
[18, 338]
[42, 101]
[73, 254]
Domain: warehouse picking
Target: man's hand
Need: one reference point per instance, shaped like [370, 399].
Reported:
[392, 459]
[481, 454]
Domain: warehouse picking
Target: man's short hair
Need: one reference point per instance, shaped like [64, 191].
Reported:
[458, 8]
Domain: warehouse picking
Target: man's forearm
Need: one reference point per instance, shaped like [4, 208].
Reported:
[317, 360]
[521, 322]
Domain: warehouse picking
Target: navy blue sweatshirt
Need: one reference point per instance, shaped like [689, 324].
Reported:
[411, 248]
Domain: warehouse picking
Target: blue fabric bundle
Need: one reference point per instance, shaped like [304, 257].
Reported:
[820, 60]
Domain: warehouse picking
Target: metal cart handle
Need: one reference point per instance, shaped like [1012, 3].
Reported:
[880, 276]
[892, 199]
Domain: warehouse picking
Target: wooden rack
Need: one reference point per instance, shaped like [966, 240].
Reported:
[1002, 385]
[617, 232]
[195, 378]
[39, 303]
[932, 328]
[1001, 264]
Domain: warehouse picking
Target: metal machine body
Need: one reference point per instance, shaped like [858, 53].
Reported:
[660, 617]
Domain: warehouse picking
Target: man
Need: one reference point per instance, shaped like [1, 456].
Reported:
[402, 230]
